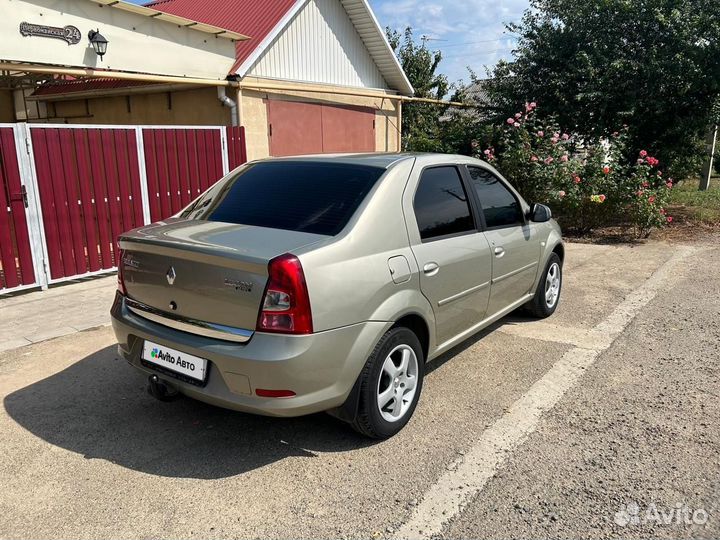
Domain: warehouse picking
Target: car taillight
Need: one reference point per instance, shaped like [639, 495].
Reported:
[120, 277]
[286, 304]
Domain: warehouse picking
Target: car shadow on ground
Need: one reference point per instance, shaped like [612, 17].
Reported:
[99, 407]
[440, 361]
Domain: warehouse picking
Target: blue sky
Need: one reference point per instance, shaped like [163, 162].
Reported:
[468, 32]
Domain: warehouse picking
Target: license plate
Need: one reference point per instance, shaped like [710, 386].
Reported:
[174, 360]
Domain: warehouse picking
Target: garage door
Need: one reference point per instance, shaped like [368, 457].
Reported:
[312, 128]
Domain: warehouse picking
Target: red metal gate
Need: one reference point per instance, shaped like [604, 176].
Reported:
[16, 264]
[181, 164]
[89, 186]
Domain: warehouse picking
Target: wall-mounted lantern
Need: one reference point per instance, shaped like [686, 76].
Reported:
[98, 42]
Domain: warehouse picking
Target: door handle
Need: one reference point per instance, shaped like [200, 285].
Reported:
[431, 268]
[499, 252]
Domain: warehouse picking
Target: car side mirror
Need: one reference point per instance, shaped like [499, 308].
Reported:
[540, 213]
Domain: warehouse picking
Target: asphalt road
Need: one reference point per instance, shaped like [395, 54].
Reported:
[601, 421]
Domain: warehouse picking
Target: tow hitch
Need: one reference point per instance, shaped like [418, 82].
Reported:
[159, 390]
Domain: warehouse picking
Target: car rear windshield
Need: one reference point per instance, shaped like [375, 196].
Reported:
[314, 197]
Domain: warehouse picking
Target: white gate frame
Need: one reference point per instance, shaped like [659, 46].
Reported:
[33, 217]
[33, 211]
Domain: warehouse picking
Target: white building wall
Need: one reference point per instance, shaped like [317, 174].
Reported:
[320, 45]
[136, 43]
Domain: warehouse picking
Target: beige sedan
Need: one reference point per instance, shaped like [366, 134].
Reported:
[325, 283]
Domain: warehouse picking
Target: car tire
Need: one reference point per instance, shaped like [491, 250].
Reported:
[386, 401]
[547, 294]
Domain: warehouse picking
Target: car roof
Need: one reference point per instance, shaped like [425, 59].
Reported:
[372, 159]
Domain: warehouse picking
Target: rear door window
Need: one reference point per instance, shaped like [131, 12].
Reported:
[301, 196]
[500, 207]
[441, 204]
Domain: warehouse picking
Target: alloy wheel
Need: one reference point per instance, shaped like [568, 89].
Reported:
[397, 383]
[552, 285]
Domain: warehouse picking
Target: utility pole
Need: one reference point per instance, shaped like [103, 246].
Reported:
[708, 165]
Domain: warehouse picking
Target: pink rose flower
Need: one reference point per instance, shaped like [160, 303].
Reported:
[564, 158]
[669, 219]
[510, 121]
[640, 161]
[534, 158]
[565, 136]
[549, 160]
[533, 104]
[518, 115]
[516, 124]
[669, 184]
[576, 179]
[561, 193]
[651, 199]
[643, 153]
[601, 198]
[606, 169]
[645, 184]
[541, 133]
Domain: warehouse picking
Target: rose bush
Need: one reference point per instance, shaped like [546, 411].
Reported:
[587, 185]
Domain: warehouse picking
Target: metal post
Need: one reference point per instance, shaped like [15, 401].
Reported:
[33, 211]
[708, 165]
[224, 150]
[142, 165]
[399, 127]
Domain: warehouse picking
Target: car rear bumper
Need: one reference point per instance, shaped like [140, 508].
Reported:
[321, 368]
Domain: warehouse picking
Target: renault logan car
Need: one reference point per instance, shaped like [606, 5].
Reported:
[325, 283]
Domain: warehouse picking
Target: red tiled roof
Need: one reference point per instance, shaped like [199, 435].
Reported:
[253, 18]
[84, 85]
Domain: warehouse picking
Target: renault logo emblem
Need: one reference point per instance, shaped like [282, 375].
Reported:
[171, 275]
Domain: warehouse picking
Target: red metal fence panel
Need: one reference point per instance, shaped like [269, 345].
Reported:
[89, 189]
[181, 163]
[237, 152]
[16, 265]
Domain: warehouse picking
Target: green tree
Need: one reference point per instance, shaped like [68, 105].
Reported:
[421, 124]
[653, 65]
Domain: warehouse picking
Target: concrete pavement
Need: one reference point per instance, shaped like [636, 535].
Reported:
[633, 451]
[62, 310]
[86, 453]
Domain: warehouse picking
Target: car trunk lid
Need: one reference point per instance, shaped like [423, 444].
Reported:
[204, 271]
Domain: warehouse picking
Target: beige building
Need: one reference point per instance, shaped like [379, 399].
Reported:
[301, 76]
